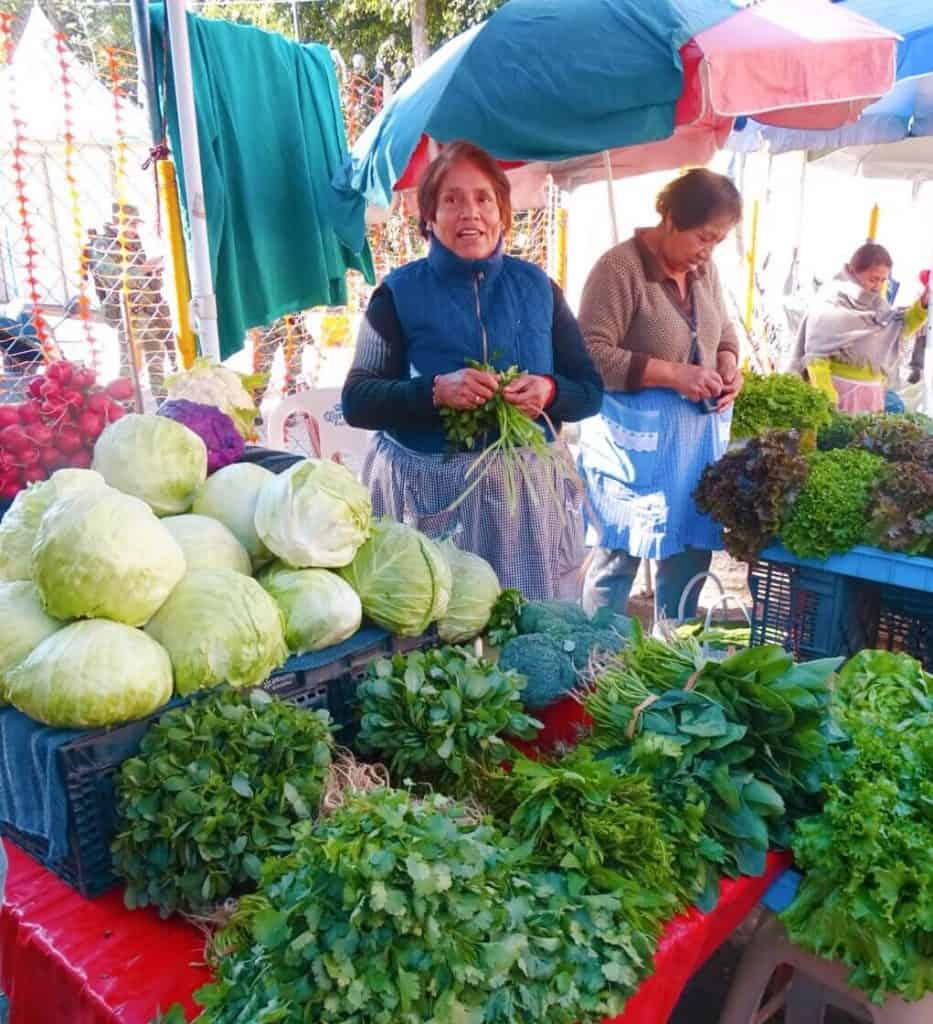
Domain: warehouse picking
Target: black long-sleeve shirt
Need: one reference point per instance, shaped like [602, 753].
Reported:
[378, 394]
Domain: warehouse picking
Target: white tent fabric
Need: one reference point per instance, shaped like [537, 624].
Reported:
[910, 159]
[32, 87]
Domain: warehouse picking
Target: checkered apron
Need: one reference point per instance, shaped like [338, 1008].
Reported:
[537, 549]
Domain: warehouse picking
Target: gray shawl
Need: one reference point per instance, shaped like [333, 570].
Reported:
[851, 325]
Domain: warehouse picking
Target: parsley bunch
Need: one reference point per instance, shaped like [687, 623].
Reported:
[400, 911]
[749, 491]
[503, 619]
[778, 401]
[440, 714]
[216, 788]
[831, 512]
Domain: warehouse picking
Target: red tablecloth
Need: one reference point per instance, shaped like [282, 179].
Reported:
[67, 960]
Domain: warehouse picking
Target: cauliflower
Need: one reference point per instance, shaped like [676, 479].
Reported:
[212, 384]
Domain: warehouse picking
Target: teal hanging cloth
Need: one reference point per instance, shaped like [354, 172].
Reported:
[271, 136]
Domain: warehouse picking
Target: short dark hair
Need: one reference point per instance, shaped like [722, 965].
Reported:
[429, 185]
[698, 196]
[870, 255]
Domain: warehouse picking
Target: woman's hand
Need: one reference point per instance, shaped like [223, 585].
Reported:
[530, 394]
[732, 379]
[695, 382]
[464, 389]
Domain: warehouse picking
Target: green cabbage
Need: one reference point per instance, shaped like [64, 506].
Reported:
[18, 527]
[230, 496]
[23, 625]
[402, 577]
[208, 544]
[153, 458]
[104, 555]
[314, 515]
[320, 608]
[92, 673]
[220, 626]
[475, 589]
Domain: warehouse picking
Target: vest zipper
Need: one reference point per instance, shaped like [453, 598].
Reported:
[477, 278]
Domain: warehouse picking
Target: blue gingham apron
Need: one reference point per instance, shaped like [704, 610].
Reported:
[641, 459]
[538, 548]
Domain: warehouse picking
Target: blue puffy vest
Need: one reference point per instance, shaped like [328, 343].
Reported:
[499, 310]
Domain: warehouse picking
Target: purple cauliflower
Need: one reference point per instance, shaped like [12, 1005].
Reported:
[216, 429]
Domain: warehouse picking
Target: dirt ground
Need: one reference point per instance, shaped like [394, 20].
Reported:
[731, 573]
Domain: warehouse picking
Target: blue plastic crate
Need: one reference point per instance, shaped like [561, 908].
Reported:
[88, 764]
[812, 613]
[906, 623]
[865, 563]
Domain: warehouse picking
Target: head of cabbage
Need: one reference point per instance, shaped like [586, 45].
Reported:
[24, 624]
[475, 589]
[315, 514]
[402, 577]
[91, 673]
[104, 555]
[230, 497]
[208, 544]
[220, 626]
[320, 608]
[19, 526]
[153, 458]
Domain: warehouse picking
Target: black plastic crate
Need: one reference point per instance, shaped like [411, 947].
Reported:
[906, 623]
[88, 765]
[812, 613]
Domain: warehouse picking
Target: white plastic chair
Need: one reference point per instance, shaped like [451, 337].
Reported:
[814, 985]
[329, 434]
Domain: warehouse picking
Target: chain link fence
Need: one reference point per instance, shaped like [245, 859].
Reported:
[84, 262]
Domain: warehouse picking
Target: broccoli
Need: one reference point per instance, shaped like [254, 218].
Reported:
[582, 645]
[545, 664]
[558, 618]
[606, 618]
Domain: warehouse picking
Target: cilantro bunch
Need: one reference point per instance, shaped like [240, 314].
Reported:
[217, 787]
[749, 491]
[503, 619]
[778, 401]
[831, 513]
[400, 911]
[867, 893]
[440, 714]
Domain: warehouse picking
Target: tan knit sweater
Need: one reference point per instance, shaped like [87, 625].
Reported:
[627, 317]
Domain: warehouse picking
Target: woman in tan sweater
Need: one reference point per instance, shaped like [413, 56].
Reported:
[656, 325]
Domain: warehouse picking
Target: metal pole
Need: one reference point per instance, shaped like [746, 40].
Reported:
[203, 302]
[614, 220]
[143, 43]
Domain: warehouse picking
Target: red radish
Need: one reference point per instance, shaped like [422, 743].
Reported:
[85, 378]
[9, 414]
[50, 389]
[53, 410]
[8, 465]
[33, 474]
[81, 459]
[52, 458]
[97, 402]
[30, 412]
[73, 398]
[68, 440]
[90, 425]
[121, 389]
[61, 370]
[35, 387]
[14, 438]
[29, 456]
[115, 412]
[39, 433]
[8, 491]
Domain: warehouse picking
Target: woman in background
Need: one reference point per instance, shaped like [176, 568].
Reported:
[851, 343]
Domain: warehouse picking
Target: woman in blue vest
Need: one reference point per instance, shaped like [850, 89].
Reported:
[468, 300]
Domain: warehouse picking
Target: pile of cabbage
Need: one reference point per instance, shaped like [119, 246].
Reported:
[144, 577]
